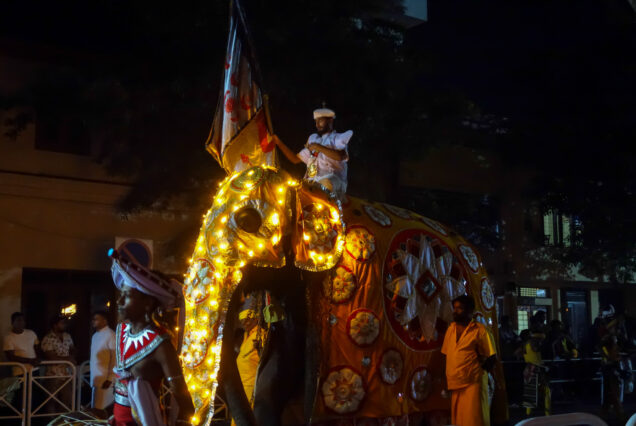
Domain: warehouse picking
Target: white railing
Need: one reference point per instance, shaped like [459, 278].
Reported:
[83, 379]
[49, 385]
[53, 397]
[11, 385]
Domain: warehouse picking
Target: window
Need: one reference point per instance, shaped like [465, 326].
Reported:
[522, 320]
[533, 292]
[559, 229]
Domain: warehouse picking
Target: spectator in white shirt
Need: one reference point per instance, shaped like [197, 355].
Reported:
[102, 362]
[20, 345]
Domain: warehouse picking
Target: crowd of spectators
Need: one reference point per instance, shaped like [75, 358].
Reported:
[545, 349]
[23, 346]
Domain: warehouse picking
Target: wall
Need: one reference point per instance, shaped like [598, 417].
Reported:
[59, 211]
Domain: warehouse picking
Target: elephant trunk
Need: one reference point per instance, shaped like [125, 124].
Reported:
[234, 393]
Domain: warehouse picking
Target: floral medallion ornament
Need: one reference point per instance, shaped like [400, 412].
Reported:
[363, 327]
[340, 284]
[319, 231]
[377, 215]
[399, 212]
[421, 384]
[359, 243]
[343, 390]
[248, 179]
[435, 225]
[197, 282]
[391, 366]
[197, 343]
[470, 257]
[487, 296]
[421, 277]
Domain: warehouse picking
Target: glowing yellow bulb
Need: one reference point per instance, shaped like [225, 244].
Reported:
[223, 219]
[190, 260]
[305, 237]
[261, 245]
[320, 258]
[209, 361]
[201, 249]
[275, 239]
[218, 260]
[191, 321]
[280, 201]
[223, 246]
[217, 275]
[219, 233]
[250, 253]
[281, 189]
[242, 197]
[176, 329]
[213, 302]
[275, 219]
[235, 207]
[319, 206]
[241, 264]
[250, 173]
[194, 420]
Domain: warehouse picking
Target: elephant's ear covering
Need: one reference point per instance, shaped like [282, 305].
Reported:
[319, 232]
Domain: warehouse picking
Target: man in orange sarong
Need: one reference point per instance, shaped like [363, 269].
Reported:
[470, 355]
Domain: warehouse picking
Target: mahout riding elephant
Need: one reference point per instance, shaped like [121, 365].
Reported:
[366, 289]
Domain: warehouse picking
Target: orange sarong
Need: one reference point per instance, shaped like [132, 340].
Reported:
[469, 405]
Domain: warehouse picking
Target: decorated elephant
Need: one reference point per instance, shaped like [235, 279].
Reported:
[366, 288]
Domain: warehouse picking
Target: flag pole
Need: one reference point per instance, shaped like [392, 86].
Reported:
[255, 64]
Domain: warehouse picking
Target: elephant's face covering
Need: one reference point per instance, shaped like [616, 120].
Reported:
[248, 219]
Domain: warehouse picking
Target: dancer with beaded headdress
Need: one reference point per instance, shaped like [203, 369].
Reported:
[144, 352]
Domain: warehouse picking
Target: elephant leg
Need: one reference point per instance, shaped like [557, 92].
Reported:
[280, 375]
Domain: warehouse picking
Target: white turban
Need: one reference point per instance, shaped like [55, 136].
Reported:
[324, 112]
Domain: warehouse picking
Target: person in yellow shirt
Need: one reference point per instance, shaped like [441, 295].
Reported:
[249, 352]
[470, 355]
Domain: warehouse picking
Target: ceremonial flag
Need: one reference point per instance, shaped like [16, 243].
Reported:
[240, 136]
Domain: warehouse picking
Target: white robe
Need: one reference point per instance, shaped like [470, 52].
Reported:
[102, 363]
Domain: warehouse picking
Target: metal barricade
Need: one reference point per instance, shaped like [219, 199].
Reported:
[8, 386]
[56, 383]
[83, 379]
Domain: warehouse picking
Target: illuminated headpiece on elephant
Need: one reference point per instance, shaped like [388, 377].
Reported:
[254, 210]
